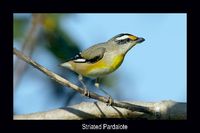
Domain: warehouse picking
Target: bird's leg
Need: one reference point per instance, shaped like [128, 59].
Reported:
[110, 100]
[97, 83]
[86, 91]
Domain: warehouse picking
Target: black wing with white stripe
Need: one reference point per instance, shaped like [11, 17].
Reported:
[89, 56]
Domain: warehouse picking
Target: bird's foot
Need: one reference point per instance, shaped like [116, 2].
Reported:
[86, 92]
[110, 101]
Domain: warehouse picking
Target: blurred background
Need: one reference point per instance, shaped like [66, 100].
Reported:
[154, 70]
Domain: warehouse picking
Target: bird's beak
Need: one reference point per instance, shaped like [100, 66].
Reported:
[140, 39]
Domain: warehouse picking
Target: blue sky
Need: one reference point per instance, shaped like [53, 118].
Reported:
[154, 70]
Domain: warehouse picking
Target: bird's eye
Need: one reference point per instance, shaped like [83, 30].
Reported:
[128, 40]
[124, 41]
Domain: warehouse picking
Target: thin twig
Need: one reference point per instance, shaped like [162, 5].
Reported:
[27, 46]
[92, 95]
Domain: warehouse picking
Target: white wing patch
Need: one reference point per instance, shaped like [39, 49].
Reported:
[122, 37]
[80, 60]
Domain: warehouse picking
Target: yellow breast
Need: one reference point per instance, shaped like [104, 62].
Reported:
[117, 61]
[100, 68]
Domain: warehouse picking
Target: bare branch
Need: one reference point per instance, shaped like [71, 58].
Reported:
[161, 110]
[65, 82]
[86, 110]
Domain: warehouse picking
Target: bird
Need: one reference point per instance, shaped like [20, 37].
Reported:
[102, 59]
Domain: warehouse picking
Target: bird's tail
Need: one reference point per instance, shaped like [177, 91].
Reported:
[66, 65]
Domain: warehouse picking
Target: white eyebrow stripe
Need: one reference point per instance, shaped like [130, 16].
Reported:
[122, 37]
